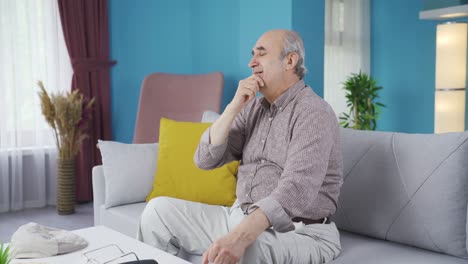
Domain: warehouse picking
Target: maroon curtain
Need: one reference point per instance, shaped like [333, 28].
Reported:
[86, 30]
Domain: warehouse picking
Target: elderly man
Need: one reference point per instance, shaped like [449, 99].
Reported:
[289, 178]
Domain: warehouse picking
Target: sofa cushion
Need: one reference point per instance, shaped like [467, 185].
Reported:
[124, 218]
[177, 175]
[128, 170]
[406, 188]
[366, 250]
[209, 117]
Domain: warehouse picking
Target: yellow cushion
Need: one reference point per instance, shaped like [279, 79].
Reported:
[177, 175]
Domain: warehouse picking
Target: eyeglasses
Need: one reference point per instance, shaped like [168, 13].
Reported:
[106, 254]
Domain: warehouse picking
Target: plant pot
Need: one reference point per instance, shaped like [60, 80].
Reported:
[66, 174]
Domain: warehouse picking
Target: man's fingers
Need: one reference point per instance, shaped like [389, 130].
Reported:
[248, 84]
[250, 90]
[219, 259]
[253, 81]
[253, 86]
[246, 91]
[224, 258]
[205, 258]
[247, 94]
[212, 254]
[259, 80]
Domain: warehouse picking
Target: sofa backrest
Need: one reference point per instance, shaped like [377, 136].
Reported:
[406, 188]
[182, 97]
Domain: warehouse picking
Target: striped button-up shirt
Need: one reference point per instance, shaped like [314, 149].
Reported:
[290, 151]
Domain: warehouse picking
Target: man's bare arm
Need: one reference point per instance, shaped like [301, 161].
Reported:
[246, 92]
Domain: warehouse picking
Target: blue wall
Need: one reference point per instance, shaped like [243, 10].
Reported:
[141, 48]
[215, 36]
[433, 4]
[403, 62]
[183, 36]
[308, 20]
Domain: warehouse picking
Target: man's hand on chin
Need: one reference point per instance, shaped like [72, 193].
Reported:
[230, 248]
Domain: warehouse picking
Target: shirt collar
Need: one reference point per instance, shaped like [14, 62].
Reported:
[283, 100]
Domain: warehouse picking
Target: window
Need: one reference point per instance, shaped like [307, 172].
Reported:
[32, 48]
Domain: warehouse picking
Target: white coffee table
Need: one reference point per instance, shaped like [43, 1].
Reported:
[99, 236]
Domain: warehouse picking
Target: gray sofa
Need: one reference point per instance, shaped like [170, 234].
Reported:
[404, 199]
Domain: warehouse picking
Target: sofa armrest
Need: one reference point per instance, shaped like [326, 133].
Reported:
[99, 192]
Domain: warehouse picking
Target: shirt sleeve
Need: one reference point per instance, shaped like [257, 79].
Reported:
[209, 156]
[312, 138]
[277, 216]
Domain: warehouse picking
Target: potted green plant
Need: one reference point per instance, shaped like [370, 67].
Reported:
[5, 257]
[361, 94]
[68, 114]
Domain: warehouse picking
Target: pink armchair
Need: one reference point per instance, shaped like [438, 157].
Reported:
[178, 97]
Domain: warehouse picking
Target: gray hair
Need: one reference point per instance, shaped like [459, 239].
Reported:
[293, 43]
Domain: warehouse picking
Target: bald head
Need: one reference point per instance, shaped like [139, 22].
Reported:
[290, 41]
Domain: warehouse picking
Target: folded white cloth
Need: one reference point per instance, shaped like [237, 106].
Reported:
[36, 241]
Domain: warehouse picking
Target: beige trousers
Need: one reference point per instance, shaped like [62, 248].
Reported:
[171, 225]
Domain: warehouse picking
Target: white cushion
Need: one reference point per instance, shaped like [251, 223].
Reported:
[129, 170]
[209, 117]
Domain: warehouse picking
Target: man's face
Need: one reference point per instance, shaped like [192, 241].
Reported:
[265, 61]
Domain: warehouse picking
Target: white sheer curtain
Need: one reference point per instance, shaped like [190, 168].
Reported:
[347, 47]
[32, 48]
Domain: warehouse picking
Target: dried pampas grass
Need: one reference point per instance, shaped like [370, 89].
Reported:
[68, 114]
